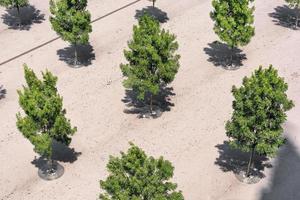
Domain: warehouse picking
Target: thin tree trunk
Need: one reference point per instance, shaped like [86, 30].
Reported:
[153, 3]
[19, 16]
[151, 103]
[231, 56]
[297, 16]
[75, 54]
[250, 162]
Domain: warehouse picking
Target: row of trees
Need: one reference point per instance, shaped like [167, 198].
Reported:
[259, 105]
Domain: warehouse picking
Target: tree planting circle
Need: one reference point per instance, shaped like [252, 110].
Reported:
[48, 172]
[146, 113]
[252, 179]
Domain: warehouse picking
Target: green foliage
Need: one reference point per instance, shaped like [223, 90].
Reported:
[152, 59]
[136, 176]
[259, 112]
[71, 20]
[44, 119]
[233, 21]
[13, 3]
[293, 3]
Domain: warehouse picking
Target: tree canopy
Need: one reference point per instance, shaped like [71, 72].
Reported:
[136, 176]
[151, 57]
[259, 110]
[233, 21]
[44, 119]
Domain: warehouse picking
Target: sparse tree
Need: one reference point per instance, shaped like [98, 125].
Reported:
[14, 4]
[295, 4]
[233, 22]
[137, 176]
[71, 21]
[259, 112]
[152, 59]
[44, 119]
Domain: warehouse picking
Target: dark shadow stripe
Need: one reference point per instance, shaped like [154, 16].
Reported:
[52, 40]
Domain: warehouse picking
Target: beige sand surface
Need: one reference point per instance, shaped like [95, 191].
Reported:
[187, 135]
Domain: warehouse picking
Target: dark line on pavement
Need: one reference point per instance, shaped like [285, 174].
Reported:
[52, 40]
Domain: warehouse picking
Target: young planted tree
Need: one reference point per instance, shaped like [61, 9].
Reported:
[295, 4]
[152, 59]
[44, 119]
[259, 112]
[233, 22]
[71, 21]
[137, 176]
[14, 4]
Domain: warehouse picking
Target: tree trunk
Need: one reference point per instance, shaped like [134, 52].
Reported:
[297, 16]
[231, 56]
[151, 103]
[250, 162]
[153, 3]
[75, 54]
[19, 16]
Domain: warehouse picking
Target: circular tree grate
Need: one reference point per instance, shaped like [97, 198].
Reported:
[51, 170]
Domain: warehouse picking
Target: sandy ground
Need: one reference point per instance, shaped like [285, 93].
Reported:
[191, 135]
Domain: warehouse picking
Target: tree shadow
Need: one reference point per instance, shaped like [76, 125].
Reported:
[29, 16]
[234, 160]
[285, 183]
[61, 153]
[135, 106]
[220, 53]
[2, 92]
[284, 16]
[85, 55]
[157, 13]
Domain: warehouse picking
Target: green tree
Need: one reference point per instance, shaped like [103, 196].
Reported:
[44, 119]
[137, 176]
[71, 21]
[14, 4]
[259, 112]
[233, 22]
[295, 4]
[152, 59]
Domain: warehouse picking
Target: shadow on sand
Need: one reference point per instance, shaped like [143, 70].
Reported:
[85, 55]
[157, 13]
[61, 153]
[285, 181]
[29, 15]
[135, 106]
[220, 54]
[285, 16]
[2, 92]
[234, 160]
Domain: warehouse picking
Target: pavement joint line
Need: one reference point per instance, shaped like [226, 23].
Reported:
[56, 38]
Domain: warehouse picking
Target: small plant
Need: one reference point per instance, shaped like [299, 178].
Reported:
[259, 112]
[44, 119]
[233, 22]
[136, 176]
[71, 21]
[152, 59]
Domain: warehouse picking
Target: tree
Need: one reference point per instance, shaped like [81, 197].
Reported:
[295, 4]
[14, 4]
[137, 176]
[233, 22]
[152, 59]
[71, 21]
[259, 112]
[44, 119]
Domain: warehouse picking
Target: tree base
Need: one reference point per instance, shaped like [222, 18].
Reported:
[146, 113]
[52, 171]
[252, 179]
